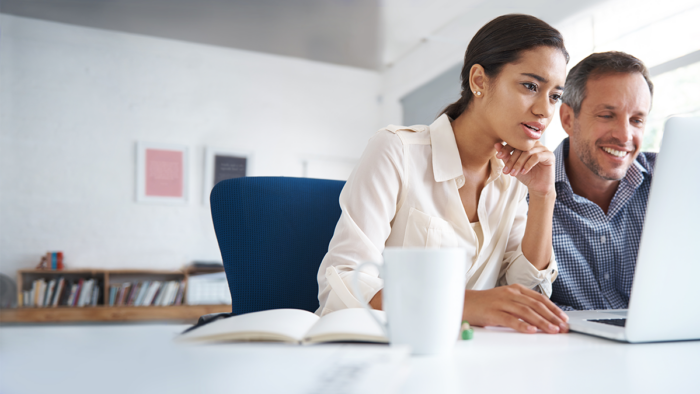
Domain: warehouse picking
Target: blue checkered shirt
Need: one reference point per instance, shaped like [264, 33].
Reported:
[597, 253]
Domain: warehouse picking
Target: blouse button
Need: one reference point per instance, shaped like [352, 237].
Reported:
[602, 239]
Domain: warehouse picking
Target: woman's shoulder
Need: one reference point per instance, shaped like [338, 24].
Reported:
[392, 139]
[408, 135]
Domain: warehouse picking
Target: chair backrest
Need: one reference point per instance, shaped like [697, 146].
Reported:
[273, 233]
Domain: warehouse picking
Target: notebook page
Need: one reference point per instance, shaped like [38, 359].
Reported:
[352, 324]
[276, 324]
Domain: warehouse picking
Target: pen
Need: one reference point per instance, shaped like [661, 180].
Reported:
[467, 331]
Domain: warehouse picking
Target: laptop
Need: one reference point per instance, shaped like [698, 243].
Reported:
[665, 300]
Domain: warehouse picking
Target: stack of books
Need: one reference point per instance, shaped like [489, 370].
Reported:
[208, 289]
[62, 292]
[147, 293]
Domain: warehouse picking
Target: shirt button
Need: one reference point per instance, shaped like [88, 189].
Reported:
[607, 276]
[602, 239]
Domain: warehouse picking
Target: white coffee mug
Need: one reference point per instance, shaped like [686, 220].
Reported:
[423, 297]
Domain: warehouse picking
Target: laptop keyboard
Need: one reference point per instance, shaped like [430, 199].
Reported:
[612, 322]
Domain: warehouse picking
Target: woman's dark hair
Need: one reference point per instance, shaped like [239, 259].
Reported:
[500, 42]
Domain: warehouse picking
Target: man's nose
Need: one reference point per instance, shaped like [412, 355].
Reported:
[622, 130]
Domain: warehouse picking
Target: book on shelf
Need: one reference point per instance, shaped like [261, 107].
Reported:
[85, 290]
[95, 296]
[113, 289]
[49, 292]
[59, 291]
[132, 293]
[292, 326]
[73, 291]
[143, 288]
[78, 289]
[180, 293]
[123, 292]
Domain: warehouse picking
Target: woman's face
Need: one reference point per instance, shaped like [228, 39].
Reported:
[520, 103]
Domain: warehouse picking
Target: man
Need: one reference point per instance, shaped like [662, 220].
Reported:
[602, 181]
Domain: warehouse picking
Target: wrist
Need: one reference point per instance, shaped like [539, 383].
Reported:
[376, 301]
[548, 196]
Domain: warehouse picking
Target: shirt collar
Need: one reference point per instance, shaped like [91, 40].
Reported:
[560, 154]
[446, 161]
[633, 178]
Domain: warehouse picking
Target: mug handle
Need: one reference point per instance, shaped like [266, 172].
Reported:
[360, 297]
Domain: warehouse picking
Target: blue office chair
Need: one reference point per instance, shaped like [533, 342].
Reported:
[273, 233]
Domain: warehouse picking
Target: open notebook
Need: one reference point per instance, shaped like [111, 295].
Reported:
[293, 326]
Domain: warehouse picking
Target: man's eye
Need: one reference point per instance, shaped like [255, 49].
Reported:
[605, 116]
[530, 86]
[638, 121]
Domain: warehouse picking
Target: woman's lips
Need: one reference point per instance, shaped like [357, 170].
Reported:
[531, 132]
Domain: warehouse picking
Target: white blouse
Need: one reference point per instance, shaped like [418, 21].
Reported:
[404, 192]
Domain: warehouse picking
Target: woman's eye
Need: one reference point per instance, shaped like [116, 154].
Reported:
[556, 97]
[530, 86]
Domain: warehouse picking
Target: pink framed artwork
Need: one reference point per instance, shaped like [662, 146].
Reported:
[161, 173]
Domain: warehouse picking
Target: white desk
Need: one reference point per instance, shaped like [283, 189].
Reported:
[144, 359]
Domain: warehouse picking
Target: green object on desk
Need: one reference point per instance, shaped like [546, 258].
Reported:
[467, 331]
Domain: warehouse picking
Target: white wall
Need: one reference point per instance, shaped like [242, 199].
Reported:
[74, 100]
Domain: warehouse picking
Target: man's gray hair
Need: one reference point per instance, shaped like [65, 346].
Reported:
[596, 65]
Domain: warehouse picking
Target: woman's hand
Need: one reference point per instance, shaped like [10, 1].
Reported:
[376, 301]
[514, 306]
[534, 168]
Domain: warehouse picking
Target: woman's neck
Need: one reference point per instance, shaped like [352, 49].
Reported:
[474, 140]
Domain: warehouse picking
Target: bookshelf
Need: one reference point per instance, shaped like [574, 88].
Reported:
[102, 311]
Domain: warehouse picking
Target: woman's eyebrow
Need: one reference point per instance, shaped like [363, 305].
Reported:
[539, 78]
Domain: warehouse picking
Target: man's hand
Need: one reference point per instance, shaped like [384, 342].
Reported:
[514, 306]
[534, 168]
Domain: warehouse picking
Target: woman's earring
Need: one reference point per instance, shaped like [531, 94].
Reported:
[478, 93]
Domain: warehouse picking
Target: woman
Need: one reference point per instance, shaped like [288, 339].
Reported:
[463, 181]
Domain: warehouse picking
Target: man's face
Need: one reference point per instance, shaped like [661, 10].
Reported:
[607, 134]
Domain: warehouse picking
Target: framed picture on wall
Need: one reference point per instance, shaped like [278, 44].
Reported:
[161, 173]
[222, 164]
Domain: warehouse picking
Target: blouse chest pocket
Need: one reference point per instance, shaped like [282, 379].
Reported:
[423, 230]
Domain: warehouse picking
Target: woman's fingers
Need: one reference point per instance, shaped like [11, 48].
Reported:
[524, 312]
[519, 166]
[547, 303]
[510, 162]
[530, 163]
[520, 162]
[507, 320]
[503, 151]
[554, 322]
